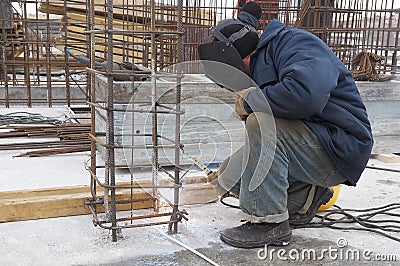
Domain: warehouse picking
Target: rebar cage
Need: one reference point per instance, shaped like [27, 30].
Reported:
[135, 32]
[350, 27]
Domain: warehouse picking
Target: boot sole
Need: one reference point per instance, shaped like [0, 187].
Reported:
[283, 240]
[325, 197]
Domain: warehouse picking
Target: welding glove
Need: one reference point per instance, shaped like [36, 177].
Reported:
[213, 180]
[240, 101]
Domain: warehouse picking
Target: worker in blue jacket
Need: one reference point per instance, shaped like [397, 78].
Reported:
[319, 136]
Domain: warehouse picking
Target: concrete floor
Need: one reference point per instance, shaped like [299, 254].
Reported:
[75, 241]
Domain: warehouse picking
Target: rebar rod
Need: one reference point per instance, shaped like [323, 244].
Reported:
[92, 89]
[177, 119]
[48, 51]
[26, 66]
[110, 120]
[154, 103]
[67, 74]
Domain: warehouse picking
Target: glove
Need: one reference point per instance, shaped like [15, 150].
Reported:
[213, 180]
[222, 192]
[239, 103]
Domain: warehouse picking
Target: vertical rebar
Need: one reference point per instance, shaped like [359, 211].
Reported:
[389, 33]
[3, 57]
[396, 45]
[132, 105]
[153, 52]
[35, 49]
[26, 58]
[48, 51]
[177, 116]
[110, 117]
[92, 89]
[364, 25]
[65, 29]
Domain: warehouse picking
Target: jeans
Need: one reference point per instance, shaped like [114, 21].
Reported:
[276, 171]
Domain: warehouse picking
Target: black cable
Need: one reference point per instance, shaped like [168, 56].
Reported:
[364, 219]
[30, 118]
[228, 204]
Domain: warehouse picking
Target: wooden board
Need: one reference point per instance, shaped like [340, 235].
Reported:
[135, 11]
[21, 205]
[57, 202]
[387, 158]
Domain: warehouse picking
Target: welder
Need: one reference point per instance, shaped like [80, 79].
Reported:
[321, 134]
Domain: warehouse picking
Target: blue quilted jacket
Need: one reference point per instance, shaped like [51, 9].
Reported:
[302, 78]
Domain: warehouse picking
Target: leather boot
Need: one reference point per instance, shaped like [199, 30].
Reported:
[253, 235]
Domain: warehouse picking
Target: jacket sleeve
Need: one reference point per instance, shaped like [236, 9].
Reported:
[306, 77]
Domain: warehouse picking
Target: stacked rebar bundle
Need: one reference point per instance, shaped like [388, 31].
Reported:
[72, 138]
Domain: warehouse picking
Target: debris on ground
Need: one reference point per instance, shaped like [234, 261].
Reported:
[364, 67]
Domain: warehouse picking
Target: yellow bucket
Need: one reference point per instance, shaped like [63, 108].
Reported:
[332, 201]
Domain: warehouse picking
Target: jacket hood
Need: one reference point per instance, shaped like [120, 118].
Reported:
[273, 28]
[248, 18]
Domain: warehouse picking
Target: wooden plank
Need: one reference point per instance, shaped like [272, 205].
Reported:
[21, 205]
[57, 206]
[62, 201]
[387, 158]
[139, 10]
[198, 194]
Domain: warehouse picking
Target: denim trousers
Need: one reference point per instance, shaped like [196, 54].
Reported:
[277, 169]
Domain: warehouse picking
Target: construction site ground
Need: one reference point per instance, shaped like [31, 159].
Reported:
[74, 240]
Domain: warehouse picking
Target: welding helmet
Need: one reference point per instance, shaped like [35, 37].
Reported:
[231, 41]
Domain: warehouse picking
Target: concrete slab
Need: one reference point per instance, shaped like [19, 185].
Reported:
[75, 241]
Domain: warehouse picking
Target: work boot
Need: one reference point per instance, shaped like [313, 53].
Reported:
[253, 235]
[321, 196]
